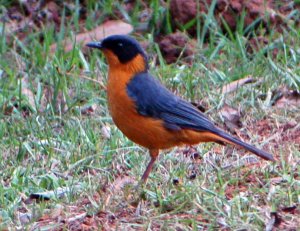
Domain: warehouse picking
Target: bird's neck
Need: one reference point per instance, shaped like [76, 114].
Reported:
[137, 65]
[122, 73]
[119, 75]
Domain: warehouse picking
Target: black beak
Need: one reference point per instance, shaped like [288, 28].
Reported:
[94, 45]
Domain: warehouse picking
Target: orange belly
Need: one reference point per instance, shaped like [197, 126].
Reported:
[152, 134]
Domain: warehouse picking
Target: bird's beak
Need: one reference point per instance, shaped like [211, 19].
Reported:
[94, 45]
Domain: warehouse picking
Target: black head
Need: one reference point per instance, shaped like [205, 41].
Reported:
[124, 47]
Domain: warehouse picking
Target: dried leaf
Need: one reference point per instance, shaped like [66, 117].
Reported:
[275, 181]
[108, 28]
[231, 117]
[236, 84]
[77, 217]
[289, 98]
[120, 182]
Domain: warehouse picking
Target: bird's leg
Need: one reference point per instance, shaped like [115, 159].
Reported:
[153, 153]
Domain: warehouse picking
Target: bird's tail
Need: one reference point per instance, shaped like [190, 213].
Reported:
[230, 139]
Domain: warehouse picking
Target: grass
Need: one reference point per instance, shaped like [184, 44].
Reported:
[50, 141]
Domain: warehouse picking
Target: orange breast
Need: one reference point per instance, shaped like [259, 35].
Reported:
[146, 131]
[142, 130]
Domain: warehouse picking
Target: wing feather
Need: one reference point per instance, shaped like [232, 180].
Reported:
[154, 100]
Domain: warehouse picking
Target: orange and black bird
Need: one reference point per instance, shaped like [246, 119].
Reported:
[147, 112]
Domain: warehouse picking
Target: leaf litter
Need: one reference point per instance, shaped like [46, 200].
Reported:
[106, 29]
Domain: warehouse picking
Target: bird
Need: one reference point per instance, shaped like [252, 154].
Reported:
[147, 112]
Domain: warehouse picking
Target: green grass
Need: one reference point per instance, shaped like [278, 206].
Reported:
[48, 142]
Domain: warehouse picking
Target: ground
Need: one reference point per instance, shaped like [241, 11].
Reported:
[65, 166]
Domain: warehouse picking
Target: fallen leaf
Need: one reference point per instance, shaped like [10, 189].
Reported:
[289, 98]
[276, 180]
[106, 29]
[236, 84]
[118, 186]
[77, 217]
[120, 182]
[231, 117]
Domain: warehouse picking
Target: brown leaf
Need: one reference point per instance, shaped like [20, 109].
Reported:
[120, 182]
[231, 117]
[80, 216]
[108, 28]
[289, 98]
[236, 84]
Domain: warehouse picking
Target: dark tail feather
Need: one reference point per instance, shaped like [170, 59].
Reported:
[256, 151]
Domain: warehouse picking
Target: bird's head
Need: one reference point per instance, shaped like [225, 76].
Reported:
[122, 51]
